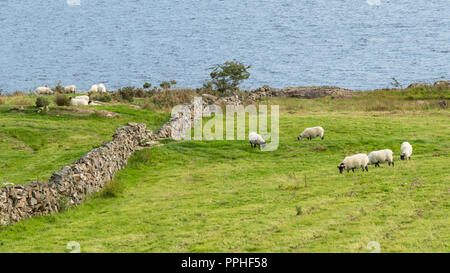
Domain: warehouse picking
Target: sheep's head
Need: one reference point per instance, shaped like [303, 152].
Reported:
[299, 137]
[341, 167]
[403, 156]
[263, 145]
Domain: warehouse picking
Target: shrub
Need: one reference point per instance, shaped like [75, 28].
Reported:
[170, 98]
[62, 100]
[165, 85]
[104, 97]
[129, 93]
[126, 93]
[147, 85]
[228, 76]
[42, 102]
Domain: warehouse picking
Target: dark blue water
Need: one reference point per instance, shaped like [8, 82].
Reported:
[300, 42]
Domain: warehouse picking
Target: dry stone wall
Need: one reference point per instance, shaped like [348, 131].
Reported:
[73, 183]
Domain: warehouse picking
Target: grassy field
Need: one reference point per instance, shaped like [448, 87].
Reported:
[222, 196]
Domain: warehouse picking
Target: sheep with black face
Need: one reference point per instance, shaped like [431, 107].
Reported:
[353, 162]
[406, 151]
[256, 139]
[311, 133]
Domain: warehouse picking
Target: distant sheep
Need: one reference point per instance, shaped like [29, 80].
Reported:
[79, 102]
[256, 139]
[44, 91]
[101, 88]
[70, 89]
[311, 133]
[83, 98]
[353, 162]
[406, 151]
[382, 156]
[94, 88]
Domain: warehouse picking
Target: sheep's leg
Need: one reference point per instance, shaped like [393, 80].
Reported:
[321, 137]
[367, 169]
[392, 163]
[348, 170]
[353, 170]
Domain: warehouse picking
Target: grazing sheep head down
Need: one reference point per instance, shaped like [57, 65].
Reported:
[299, 137]
[341, 167]
[403, 156]
[263, 145]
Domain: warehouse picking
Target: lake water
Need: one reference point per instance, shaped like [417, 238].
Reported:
[357, 44]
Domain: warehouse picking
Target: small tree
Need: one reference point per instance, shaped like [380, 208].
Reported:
[147, 85]
[229, 75]
[59, 88]
[165, 85]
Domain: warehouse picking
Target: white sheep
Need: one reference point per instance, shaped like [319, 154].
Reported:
[382, 156]
[406, 151]
[78, 102]
[354, 161]
[83, 98]
[311, 133]
[43, 90]
[70, 89]
[94, 88]
[101, 88]
[256, 139]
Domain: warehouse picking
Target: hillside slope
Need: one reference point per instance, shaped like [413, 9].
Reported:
[222, 196]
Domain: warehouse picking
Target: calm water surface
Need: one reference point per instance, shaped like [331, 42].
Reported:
[301, 42]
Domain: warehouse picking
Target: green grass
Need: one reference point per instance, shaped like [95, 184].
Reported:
[34, 145]
[222, 196]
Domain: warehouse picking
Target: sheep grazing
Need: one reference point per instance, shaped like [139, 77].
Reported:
[382, 156]
[44, 91]
[79, 102]
[406, 151]
[256, 139]
[101, 88]
[311, 133]
[70, 89]
[353, 162]
[94, 88]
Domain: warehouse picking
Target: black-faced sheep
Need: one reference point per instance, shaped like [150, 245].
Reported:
[256, 139]
[71, 89]
[311, 133]
[353, 162]
[382, 156]
[406, 151]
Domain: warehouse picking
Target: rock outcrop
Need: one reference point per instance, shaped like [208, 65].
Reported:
[304, 92]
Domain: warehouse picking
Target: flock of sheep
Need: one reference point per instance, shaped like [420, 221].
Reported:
[350, 162]
[72, 89]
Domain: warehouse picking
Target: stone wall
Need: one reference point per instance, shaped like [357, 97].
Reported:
[73, 183]
[182, 119]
